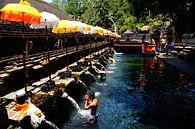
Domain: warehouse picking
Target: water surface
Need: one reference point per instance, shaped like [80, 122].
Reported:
[139, 93]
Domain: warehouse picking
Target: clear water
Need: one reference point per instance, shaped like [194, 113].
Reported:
[139, 93]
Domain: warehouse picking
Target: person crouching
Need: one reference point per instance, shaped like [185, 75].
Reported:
[30, 116]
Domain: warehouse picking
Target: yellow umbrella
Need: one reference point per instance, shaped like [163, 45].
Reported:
[66, 26]
[20, 12]
[85, 29]
[107, 32]
[116, 35]
[99, 30]
[81, 26]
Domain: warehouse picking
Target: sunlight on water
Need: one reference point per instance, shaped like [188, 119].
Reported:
[111, 67]
[118, 53]
[107, 71]
[101, 84]
[97, 94]
[112, 64]
[85, 113]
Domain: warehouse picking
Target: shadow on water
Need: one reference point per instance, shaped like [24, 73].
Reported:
[139, 93]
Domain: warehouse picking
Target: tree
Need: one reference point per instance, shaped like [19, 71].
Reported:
[104, 12]
[58, 3]
[180, 11]
[75, 8]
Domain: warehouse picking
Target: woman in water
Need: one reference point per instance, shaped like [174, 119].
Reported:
[91, 103]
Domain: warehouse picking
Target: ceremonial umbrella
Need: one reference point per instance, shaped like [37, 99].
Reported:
[24, 13]
[47, 19]
[66, 26]
[20, 12]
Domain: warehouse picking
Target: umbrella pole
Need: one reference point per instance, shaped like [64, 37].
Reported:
[90, 47]
[83, 43]
[25, 71]
[24, 60]
[96, 45]
[66, 51]
[48, 54]
[77, 47]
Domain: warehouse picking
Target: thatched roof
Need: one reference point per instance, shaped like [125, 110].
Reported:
[41, 6]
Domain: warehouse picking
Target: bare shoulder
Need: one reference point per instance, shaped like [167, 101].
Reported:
[96, 101]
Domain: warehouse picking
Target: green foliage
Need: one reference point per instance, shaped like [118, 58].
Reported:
[180, 12]
[75, 8]
[104, 13]
[109, 13]
[139, 25]
[58, 3]
[129, 14]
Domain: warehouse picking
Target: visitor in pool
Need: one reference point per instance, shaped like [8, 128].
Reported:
[91, 103]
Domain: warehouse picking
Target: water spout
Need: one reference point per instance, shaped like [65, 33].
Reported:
[51, 124]
[64, 95]
[75, 104]
[92, 76]
[81, 82]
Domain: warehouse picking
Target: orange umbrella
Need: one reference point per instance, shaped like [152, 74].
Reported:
[20, 12]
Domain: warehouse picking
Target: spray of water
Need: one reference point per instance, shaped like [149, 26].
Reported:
[92, 76]
[97, 94]
[75, 104]
[51, 124]
[83, 113]
[83, 84]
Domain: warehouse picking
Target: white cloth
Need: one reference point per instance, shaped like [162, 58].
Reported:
[36, 115]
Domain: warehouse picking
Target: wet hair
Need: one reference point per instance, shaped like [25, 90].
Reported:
[91, 94]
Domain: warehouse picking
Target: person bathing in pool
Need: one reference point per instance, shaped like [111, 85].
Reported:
[91, 103]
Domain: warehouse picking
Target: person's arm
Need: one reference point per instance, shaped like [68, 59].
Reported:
[86, 101]
[94, 103]
[86, 104]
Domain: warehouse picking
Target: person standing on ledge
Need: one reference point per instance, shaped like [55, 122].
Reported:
[91, 103]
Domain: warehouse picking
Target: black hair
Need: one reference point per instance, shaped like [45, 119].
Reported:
[91, 94]
[21, 99]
